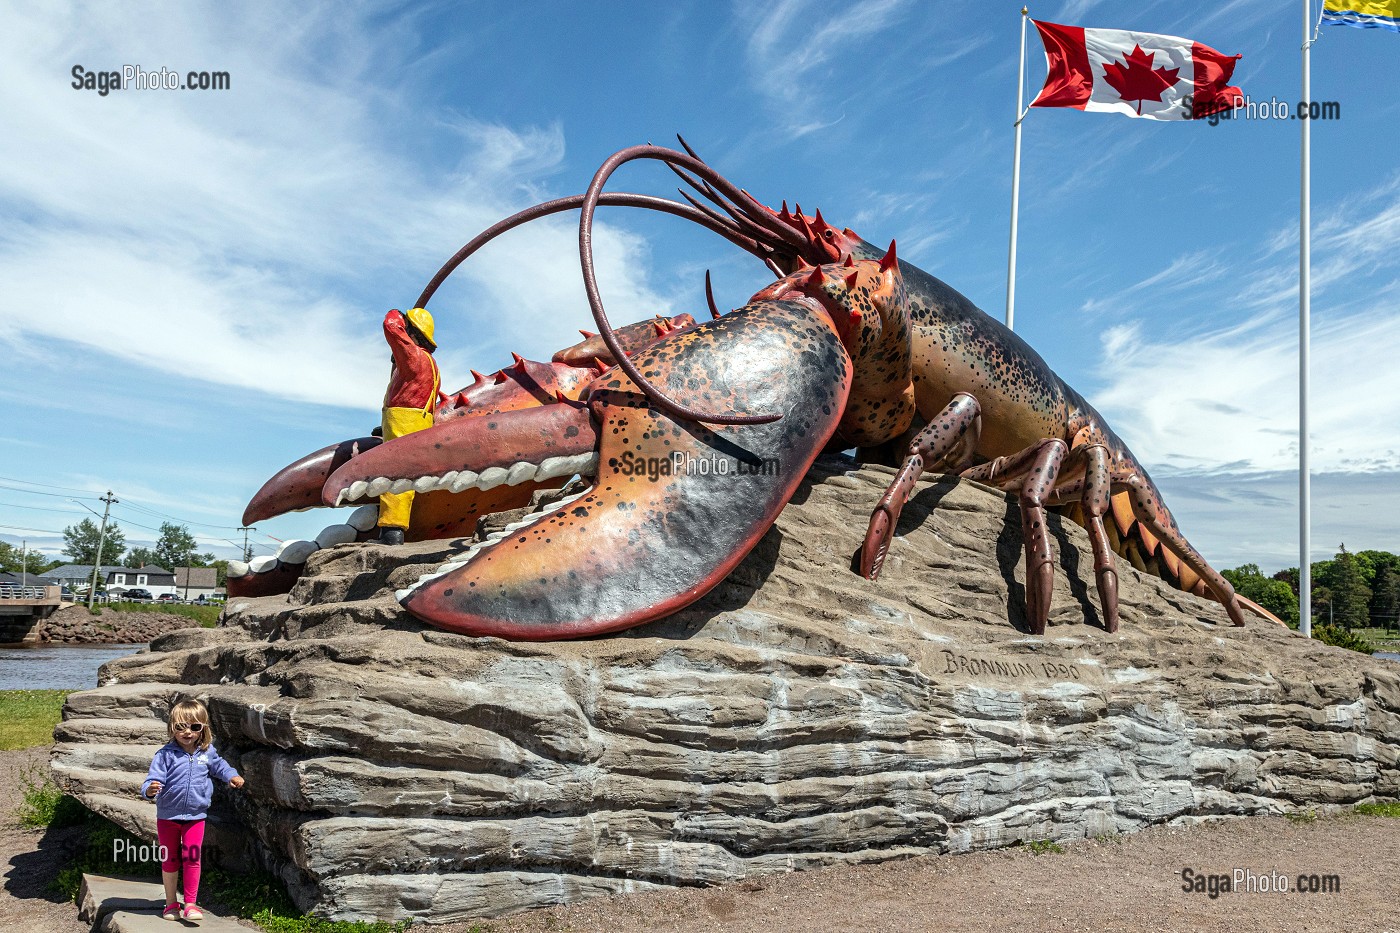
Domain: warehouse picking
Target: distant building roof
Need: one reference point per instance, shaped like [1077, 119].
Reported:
[33, 579]
[79, 571]
[156, 576]
[202, 577]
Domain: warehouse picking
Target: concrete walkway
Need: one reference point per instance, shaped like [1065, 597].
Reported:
[113, 905]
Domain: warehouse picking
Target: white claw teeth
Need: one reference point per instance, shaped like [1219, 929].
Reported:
[520, 472]
[464, 480]
[425, 484]
[445, 481]
[491, 477]
[451, 566]
[567, 466]
[379, 486]
[357, 489]
[340, 497]
[401, 485]
[363, 518]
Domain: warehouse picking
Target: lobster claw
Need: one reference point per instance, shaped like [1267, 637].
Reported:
[297, 486]
[675, 505]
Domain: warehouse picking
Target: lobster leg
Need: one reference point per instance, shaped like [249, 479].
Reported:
[1032, 472]
[1094, 501]
[1146, 507]
[940, 437]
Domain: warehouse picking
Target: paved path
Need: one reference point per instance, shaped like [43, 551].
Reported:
[113, 905]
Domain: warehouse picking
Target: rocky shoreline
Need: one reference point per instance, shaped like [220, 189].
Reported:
[75, 625]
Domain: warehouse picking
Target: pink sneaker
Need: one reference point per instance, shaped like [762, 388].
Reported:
[171, 912]
[193, 914]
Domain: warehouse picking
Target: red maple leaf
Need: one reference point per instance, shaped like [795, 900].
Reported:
[1137, 80]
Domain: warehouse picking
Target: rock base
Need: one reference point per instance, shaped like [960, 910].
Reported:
[796, 716]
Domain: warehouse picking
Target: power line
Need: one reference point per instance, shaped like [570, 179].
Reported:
[56, 495]
[97, 498]
[38, 508]
[11, 479]
[40, 531]
[183, 521]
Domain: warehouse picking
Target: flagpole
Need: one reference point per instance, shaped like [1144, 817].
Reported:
[1016, 182]
[1304, 329]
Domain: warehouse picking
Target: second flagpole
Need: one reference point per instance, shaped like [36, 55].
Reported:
[1016, 181]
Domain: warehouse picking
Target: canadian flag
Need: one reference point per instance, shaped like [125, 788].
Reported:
[1136, 73]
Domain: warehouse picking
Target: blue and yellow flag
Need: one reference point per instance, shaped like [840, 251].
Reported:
[1384, 14]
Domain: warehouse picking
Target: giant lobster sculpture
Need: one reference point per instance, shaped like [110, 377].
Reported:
[695, 436]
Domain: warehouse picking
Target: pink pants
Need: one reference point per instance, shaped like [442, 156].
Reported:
[180, 843]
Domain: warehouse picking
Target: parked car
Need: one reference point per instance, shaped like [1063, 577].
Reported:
[167, 598]
[138, 595]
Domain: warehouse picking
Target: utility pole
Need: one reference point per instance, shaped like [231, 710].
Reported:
[109, 499]
[23, 562]
[247, 550]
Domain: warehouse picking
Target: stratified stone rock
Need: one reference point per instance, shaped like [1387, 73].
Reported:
[796, 716]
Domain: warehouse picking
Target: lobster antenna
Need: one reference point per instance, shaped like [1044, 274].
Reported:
[595, 302]
[559, 205]
[751, 211]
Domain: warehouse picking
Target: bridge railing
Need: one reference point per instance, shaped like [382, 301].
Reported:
[30, 593]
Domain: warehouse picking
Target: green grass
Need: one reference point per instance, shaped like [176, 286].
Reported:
[1302, 816]
[42, 804]
[1044, 847]
[27, 717]
[207, 616]
[260, 897]
[1383, 639]
[1377, 809]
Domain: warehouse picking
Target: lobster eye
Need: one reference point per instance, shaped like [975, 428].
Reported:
[827, 234]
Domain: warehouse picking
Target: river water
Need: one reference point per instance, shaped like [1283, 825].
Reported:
[57, 667]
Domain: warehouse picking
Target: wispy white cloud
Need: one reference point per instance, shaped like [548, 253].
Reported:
[1185, 272]
[794, 48]
[1215, 400]
[229, 228]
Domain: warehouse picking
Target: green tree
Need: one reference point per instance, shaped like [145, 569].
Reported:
[1385, 598]
[14, 559]
[1351, 597]
[222, 567]
[1273, 594]
[176, 548]
[139, 557]
[80, 543]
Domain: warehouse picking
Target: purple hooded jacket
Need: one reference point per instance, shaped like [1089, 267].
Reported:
[185, 785]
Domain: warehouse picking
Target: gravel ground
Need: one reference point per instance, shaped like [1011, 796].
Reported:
[1126, 883]
[29, 859]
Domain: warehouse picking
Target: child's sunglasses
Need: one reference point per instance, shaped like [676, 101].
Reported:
[188, 727]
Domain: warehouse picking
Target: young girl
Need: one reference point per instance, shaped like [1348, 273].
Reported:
[179, 782]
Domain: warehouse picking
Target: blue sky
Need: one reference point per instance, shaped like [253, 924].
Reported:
[193, 281]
